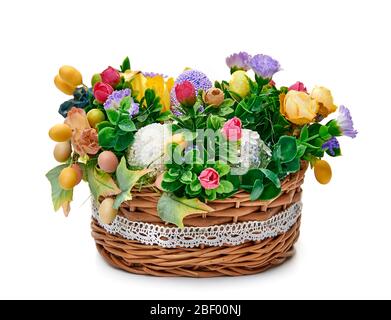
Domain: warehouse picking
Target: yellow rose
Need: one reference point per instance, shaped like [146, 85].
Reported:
[239, 83]
[298, 107]
[162, 89]
[325, 100]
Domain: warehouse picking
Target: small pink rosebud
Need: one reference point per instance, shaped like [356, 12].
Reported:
[111, 77]
[102, 91]
[209, 178]
[185, 93]
[232, 129]
[298, 86]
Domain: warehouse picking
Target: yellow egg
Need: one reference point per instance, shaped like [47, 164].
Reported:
[63, 86]
[71, 75]
[239, 83]
[60, 132]
[322, 171]
[95, 116]
[62, 151]
[106, 211]
[67, 178]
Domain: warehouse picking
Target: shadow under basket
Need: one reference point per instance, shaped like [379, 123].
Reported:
[240, 237]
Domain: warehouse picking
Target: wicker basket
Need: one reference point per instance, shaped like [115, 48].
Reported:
[244, 258]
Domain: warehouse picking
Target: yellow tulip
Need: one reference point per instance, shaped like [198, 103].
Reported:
[239, 83]
[322, 171]
[325, 100]
[129, 75]
[139, 84]
[162, 89]
[298, 107]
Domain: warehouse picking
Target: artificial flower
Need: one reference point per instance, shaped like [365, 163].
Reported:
[86, 142]
[239, 83]
[264, 66]
[331, 145]
[84, 139]
[298, 86]
[162, 89]
[232, 129]
[129, 75]
[185, 93]
[111, 76]
[214, 96]
[209, 178]
[197, 78]
[148, 148]
[298, 107]
[102, 91]
[345, 123]
[325, 100]
[238, 61]
[139, 84]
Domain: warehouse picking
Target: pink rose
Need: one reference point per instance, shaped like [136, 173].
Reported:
[111, 77]
[102, 91]
[86, 142]
[298, 86]
[232, 129]
[185, 93]
[209, 178]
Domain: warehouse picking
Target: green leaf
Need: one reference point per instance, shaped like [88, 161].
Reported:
[171, 186]
[186, 177]
[292, 166]
[301, 149]
[107, 137]
[257, 190]
[123, 141]
[127, 125]
[125, 65]
[125, 104]
[170, 178]
[288, 148]
[59, 196]
[272, 177]
[103, 124]
[324, 133]
[100, 182]
[270, 192]
[227, 186]
[195, 185]
[304, 133]
[127, 179]
[222, 168]
[113, 115]
[173, 209]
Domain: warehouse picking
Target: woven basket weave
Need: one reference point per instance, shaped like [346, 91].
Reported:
[227, 260]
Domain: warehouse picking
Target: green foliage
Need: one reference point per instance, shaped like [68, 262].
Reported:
[126, 179]
[173, 209]
[150, 110]
[59, 195]
[118, 132]
[100, 182]
[125, 65]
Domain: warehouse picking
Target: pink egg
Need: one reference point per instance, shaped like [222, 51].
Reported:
[108, 161]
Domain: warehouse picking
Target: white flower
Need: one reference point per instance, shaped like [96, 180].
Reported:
[147, 149]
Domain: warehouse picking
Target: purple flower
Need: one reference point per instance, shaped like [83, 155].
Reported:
[153, 74]
[134, 108]
[114, 100]
[197, 78]
[345, 123]
[264, 66]
[239, 61]
[331, 145]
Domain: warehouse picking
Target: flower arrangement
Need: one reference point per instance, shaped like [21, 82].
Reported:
[192, 140]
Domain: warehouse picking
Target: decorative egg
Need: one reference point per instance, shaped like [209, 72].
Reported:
[62, 151]
[106, 211]
[60, 132]
[67, 178]
[108, 161]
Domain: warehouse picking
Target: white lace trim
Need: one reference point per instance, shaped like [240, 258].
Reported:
[189, 237]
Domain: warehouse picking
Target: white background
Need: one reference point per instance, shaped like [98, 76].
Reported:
[344, 248]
